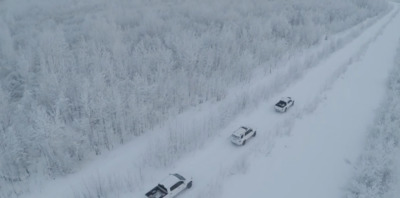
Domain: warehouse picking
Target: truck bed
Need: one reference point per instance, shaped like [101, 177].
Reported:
[156, 192]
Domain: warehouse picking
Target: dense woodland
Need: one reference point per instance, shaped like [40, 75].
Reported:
[82, 77]
[377, 170]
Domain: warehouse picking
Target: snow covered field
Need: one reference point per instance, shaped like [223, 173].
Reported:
[309, 152]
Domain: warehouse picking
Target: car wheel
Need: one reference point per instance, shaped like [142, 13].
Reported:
[254, 135]
[244, 142]
[189, 185]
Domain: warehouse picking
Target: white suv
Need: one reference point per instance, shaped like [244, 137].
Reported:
[284, 104]
[242, 134]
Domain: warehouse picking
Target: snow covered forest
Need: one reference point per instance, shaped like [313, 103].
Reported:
[377, 171]
[79, 78]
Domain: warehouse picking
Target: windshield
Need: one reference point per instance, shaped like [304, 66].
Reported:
[235, 137]
[281, 103]
[179, 176]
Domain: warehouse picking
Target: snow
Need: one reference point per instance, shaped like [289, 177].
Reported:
[306, 152]
[316, 160]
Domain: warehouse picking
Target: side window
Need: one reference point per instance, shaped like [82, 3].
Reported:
[176, 185]
[249, 131]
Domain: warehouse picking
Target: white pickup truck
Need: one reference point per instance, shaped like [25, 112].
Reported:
[170, 187]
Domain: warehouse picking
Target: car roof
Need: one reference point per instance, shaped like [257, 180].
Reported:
[169, 181]
[286, 99]
[240, 131]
